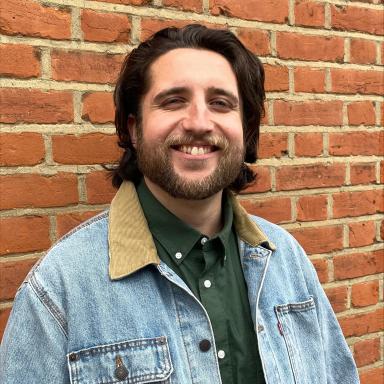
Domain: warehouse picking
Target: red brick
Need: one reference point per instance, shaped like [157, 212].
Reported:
[309, 79]
[98, 107]
[275, 11]
[24, 234]
[350, 204]
[28, 191]
[361, 233]
[309, 13]
[321, 267]
[185, 5]
[99, 188]
[67, 221]
[338, 297]
[150, 26]
[306, 47]
[21, 149]
[92, 148]
[309, 176]
[273, 145]
[308, 144]
[362, 51]
[263, 180]
[356, 81]
[276, 210]
[85, 67]
[12, 275]
[105, 27]
[382, 171]
[128, 2]
[4, 315]
[34, 106]
[353, 18]
[366, 351]
[28, 18]
[310, 208]
[363, 173]
[276, 78]
[356, 143]
[319, 239]
[361, 112]
[372, 376]
[14, 59]
[327, 113]
[363, 323]
[255, 40]
[358, 264]
[364, 294]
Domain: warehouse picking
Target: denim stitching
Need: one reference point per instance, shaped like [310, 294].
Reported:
[42, 294]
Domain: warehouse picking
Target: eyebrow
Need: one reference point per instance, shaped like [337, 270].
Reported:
[185, 90]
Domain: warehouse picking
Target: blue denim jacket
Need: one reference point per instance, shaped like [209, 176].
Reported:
[101, 308]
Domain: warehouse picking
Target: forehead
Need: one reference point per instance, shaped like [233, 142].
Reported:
[191, 67]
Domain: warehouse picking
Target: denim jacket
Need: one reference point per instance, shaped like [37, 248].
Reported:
[102, 308]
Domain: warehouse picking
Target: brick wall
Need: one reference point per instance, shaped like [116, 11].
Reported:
[322, 142]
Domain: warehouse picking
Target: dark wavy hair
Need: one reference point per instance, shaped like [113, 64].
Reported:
[134, 82]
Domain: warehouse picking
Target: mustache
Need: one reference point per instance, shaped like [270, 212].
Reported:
[206, 139]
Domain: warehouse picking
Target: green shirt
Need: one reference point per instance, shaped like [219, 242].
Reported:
[212, 270]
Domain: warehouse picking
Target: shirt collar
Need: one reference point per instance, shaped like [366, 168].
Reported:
[131, 246]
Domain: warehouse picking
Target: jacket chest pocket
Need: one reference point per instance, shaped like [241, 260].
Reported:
[128, 362]
[299, 326]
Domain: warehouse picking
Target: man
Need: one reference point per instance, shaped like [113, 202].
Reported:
[176, 283]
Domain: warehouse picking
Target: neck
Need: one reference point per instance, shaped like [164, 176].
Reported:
[203, 215]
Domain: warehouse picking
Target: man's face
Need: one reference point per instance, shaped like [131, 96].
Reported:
[190, 139]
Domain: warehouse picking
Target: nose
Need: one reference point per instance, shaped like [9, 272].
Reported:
[197, 118]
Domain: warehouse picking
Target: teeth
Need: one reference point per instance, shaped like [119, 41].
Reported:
[194, 150]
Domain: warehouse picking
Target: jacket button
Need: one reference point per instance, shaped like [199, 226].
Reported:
[204, 345]
[72, 357]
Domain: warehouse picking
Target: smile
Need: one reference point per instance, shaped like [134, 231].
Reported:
[195, 150]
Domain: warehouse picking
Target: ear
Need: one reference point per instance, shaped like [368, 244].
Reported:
[131, 125]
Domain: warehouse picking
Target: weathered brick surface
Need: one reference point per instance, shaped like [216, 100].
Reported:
[363, 173]
[186, 5]
[99, 188]
[308, 113]
[21, 149]
[321, 267]
[309, 79]
[20, 61]
[276, 78]
[105, 27]
[68, 221]
[92, 111]
[29, 190]
[4, 315]
[93, 148]
[275, 11]
[273, 145]
[310, 208]
[262, 182]
[356, 143]
[308, 144]
[372, 376]
[363, 51]
[309, 13]
[85, 67]
[255, 40]
[360, 324]
[29, 18]
[361, 233]
[338, 297]
[366, 351]
[277, 210]
[35, 106]
[361, 112]
[364, 294]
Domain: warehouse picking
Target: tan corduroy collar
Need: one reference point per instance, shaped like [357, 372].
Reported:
[131, 245]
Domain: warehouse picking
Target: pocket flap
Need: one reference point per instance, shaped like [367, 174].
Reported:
[133, 361]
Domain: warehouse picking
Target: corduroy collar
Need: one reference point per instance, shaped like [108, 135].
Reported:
[131, 245]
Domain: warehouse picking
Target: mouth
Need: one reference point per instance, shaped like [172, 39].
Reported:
[195, 150]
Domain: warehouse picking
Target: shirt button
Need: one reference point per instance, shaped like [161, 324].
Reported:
[72, 357]
[205, 345]
[207, 284]
[203, 240]
[221, 354]
[178, 255]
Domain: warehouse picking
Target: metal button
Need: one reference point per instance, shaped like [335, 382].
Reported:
[221, 354]
[207, 284]
[205, 345]
[260, 328]
[121, 371]
[178, 255]
[203, 240]
[72, 357]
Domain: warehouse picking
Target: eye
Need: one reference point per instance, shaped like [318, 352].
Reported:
[173, 103]
[221, 104]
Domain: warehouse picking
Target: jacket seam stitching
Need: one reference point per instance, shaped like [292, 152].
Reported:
[48, 303]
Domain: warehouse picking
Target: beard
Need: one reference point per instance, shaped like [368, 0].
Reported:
[154, 162]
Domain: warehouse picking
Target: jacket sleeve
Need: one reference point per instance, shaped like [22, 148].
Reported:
[341, 367]
[33, 349]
